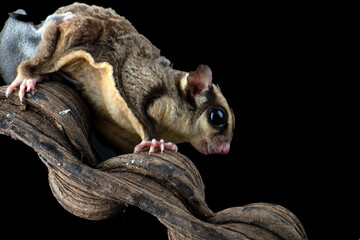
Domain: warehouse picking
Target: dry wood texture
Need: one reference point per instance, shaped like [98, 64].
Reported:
[55, 122]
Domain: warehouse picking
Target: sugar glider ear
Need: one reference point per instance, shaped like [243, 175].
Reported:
[199, 82]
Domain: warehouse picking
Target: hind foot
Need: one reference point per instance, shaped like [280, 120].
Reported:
[60, 18]
[26, 85]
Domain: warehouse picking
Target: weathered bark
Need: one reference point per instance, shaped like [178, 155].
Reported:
[55, 122]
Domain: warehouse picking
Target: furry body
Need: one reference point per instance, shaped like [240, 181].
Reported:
[135, 93]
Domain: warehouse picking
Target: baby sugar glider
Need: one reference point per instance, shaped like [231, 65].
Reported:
[138, 99]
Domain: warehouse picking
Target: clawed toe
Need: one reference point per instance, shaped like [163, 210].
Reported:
[25, 85]
[156, 144]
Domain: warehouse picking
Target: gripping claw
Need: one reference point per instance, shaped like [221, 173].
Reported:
[162, 145]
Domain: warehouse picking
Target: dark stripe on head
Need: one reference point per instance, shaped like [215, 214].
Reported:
[208, 106]
[149, 122]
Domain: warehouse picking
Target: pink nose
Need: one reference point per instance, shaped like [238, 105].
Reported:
[223, 148]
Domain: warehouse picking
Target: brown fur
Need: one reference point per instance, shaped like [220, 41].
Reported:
[127, 81]
[27, 69]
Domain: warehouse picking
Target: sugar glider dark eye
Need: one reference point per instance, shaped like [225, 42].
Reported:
[217, 117]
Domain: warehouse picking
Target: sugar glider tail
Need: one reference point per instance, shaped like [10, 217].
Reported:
[20, 15]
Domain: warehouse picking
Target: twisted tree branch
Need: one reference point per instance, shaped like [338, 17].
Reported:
[55, 122]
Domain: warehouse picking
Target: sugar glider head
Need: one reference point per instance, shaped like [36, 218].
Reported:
[213, 120]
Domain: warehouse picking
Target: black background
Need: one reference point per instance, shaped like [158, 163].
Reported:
[291, 144]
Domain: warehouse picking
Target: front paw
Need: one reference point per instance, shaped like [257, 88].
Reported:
[156, 144]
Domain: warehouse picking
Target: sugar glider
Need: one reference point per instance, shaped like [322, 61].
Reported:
[138, 99]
